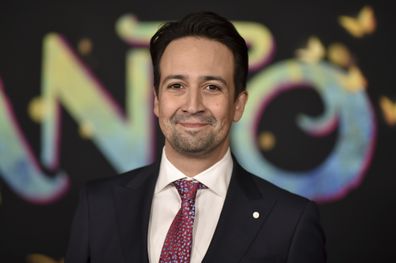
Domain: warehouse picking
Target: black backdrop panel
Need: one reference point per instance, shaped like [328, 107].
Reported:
[76, 99]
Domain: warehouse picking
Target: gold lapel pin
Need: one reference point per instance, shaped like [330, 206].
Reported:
[256, 215]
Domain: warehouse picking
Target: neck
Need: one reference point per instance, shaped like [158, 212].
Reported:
[192, 165]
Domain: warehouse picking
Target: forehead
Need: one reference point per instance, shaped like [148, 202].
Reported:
[196, 55]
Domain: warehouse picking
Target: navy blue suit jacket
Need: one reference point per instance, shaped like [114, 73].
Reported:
[111, 222]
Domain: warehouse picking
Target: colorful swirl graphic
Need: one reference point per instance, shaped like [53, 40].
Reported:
[349, 111]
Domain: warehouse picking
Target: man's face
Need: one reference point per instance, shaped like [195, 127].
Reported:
[195, 102]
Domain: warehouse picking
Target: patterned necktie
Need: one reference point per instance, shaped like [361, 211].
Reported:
[178, 241]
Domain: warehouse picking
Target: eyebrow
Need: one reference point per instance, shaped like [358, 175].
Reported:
[181, 77]
[206, 78]
[203, 78]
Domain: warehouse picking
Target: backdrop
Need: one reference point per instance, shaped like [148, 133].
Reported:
[76, 104]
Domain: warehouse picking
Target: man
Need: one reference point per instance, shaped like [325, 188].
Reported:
[197, 204]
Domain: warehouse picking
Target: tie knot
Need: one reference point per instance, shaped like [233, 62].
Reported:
[187, 188]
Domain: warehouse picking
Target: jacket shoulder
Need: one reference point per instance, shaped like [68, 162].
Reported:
[268, 189]
[277, 190]
[122, 179]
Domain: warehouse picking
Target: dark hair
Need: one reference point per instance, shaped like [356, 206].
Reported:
[208, 25]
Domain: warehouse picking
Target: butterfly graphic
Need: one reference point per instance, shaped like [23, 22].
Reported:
[388, 108]
[364, 24]
[339, 54]
[354, 80]
[314, 51]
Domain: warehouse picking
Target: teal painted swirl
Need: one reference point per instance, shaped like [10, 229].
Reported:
[348, 111]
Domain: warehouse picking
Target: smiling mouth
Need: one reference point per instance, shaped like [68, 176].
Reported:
[193, 125]
[193, 121]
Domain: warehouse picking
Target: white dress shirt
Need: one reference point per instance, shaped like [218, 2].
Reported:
[208, 204]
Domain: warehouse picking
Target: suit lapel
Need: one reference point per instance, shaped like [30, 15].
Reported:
[235, 231]
[244, 212]
[133, 203]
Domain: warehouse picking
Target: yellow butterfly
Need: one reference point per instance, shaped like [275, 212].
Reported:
[314, 51]
[365, 23]
[39, 258]
[354, 80]
[339, 55]
[388, 108]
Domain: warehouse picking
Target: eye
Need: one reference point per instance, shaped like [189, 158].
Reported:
[213, 88]
[175, 86]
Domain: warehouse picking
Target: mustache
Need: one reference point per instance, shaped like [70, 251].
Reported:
[196, 117]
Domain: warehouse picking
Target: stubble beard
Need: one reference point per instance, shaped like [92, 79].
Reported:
[193, 143]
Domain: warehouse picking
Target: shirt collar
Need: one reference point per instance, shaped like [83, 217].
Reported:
[216, 178]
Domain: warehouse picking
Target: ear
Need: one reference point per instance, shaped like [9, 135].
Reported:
[155, 105]
[239, 105]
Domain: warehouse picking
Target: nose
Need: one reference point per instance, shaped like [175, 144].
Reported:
[194, 102]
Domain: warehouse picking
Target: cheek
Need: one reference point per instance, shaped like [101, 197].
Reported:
[223, 113]
[166, 109]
